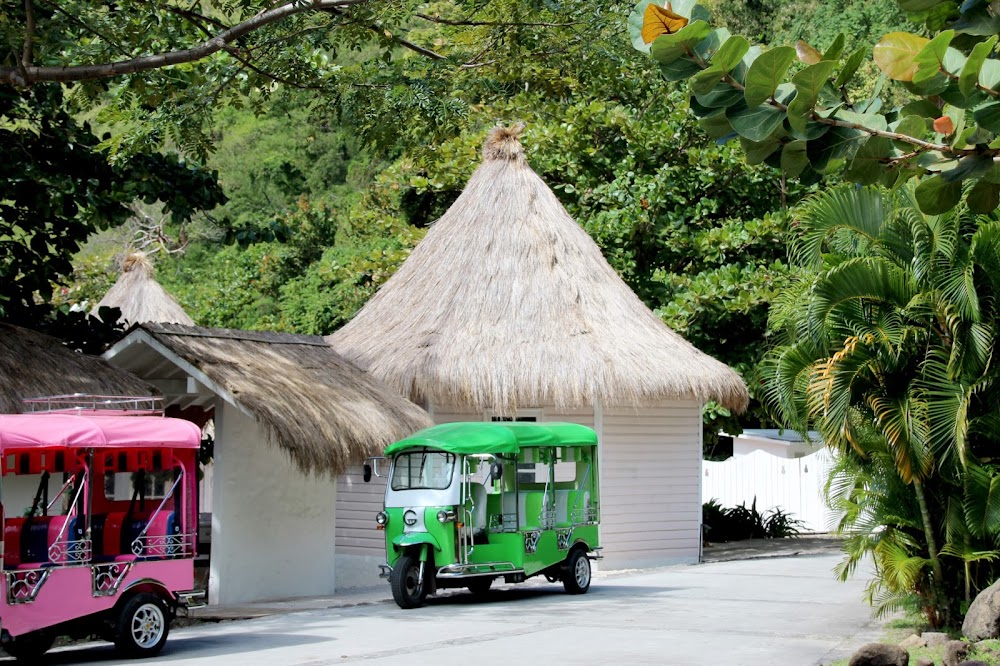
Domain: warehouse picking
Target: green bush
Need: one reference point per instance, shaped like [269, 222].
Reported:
[738, 522]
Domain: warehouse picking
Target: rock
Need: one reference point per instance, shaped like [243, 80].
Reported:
[880, 654]
[924, 661]
[934, 638]
[955, 652]
[913, 641]
[973, 662]
[983, 619]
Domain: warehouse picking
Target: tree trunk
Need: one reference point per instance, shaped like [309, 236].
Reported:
[939, 599]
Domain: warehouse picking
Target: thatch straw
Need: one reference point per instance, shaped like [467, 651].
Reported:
[140, 297]
[319, 408]
[508, 302]
[34, 365]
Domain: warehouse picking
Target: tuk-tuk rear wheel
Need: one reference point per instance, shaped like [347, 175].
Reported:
[407, 588]
[29, 648]
[576, 577]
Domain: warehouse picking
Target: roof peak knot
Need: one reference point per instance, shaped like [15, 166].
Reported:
[502, 143]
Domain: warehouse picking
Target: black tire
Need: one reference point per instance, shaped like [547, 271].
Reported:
[576, 577]
[29, 648]
[407, 588]
[480, 586]
[142, 626]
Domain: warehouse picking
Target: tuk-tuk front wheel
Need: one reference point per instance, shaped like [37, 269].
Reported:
[408, 589]
[576, 577]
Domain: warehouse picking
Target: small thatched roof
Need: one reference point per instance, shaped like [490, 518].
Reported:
[311, 402]
[34, 365]
[140, 297]
[508, 302]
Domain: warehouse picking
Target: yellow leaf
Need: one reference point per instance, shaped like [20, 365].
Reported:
[660, 21]
[895, 54]
[807, 54]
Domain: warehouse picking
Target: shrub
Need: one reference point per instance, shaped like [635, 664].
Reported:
[739, 522]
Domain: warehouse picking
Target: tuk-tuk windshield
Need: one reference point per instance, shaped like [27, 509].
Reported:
[423, 470]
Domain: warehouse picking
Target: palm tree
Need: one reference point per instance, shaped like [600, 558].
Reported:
[887, 348]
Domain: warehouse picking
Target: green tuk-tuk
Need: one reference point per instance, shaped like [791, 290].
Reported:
[467, 503]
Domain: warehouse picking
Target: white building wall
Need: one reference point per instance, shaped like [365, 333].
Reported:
[272, 527]
[650, 488]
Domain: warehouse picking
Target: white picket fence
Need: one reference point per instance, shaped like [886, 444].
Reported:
[795, 485]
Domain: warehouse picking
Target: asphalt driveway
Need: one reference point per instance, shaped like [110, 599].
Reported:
[784, 610]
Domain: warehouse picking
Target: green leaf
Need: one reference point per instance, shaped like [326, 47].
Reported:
[717, 125]
[851, 67]
[809, 81]
[989, 75]
[836, 49]
[704, 81]
[793, 158]
[915, 126]
[984, 197]
[917, 5]
[969, 77]
[758, 151]
[755, 123]
[972, 166]
[921, 107]
[935, 195]
[895, 54]
[800, 112]
[932, 55]
[988, 116]
[731, 53]
[837, 143]
[766, 73]
[680, 69]
[722, 95]
[875, 121]
[667, 48]
[869, 162]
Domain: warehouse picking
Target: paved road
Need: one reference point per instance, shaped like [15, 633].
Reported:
[770, 611]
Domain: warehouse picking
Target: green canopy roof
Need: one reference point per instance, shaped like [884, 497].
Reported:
[496, 437]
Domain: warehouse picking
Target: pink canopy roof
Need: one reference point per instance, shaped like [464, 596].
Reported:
[54, 430]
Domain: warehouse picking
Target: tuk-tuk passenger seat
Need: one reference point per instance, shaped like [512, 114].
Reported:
[478, 492]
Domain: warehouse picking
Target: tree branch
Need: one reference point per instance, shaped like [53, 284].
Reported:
[467, 22]
[27, 76]
[29, 33]
[398, 40]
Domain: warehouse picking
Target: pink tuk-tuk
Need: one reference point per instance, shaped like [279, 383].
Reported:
[99, 511]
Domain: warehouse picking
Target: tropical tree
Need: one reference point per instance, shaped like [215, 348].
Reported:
[798, 109]
[887, 346]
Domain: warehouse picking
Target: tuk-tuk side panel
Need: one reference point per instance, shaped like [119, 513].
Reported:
[67, 593]
[506, 547]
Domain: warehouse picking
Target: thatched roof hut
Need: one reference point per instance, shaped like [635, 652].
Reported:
[140, 297]
[33, 364]
[309, 401]
[508, 302]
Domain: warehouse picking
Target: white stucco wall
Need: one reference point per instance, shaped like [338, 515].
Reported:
[19, 492]
[272, 527]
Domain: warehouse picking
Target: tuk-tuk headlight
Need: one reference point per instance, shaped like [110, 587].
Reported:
[381, 518]
[446, 516]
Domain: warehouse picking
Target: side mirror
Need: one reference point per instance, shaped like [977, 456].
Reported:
[496, 471]
[368, 473]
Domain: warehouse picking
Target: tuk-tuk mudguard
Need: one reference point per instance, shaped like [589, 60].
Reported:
[415, 539]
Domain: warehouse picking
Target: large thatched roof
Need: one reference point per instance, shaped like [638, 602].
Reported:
[508, 302]
[34, 365]
[140, 297]
[311, 402]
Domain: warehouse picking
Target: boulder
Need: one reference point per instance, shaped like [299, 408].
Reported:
[983, 619]
[924, 661]
[880, 654]
[935, 638]
[955, 653]
[913, 641]
[974, 662]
